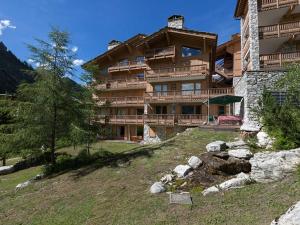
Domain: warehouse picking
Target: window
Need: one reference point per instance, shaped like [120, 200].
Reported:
[222, 110]
[124, 62]
[140, 59]
[140, 131]
[140, 76]
[161, 110]
[190, 88]
[188, 52]
[187, 109]
[161, 89]
[139, 111]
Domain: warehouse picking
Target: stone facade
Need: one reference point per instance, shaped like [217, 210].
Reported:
[251, 86]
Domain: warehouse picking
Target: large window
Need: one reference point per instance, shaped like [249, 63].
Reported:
[140, 59]
[188, 52]
[189, 109]
[124, 62]
[161, 89]
[190, 88]
[161, 109]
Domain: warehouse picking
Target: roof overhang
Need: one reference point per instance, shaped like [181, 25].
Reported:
[239, 9]
[224, 100]
[222, 49]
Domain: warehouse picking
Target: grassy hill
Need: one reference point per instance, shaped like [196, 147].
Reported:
[118, 192]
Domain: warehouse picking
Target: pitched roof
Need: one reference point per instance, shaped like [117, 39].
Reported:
[239, 9]
[133, 41]
[178, 31]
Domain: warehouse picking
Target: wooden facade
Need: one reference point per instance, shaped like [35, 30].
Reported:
[163, 79]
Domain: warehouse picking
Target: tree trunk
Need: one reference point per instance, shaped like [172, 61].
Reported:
[4, 161]
[53, 135]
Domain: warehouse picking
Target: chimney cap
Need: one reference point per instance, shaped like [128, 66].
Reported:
[175, 17]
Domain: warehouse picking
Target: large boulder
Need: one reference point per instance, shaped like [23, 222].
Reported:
[273, 166]
[240, 180]
[216, 146]
[240, 153]
[291, 217]
[195, 162]
[264, 140]
[157, 187]
[250, 127]
[6, 170]
[182, 170]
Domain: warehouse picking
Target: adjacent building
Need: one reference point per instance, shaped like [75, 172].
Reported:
[152, 86]
[269, 41]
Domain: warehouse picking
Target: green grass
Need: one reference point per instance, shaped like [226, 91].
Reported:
[120, 195]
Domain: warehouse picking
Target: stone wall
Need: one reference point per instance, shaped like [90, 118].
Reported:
[251, 87]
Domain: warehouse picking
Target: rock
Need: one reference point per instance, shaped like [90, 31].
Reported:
[291, 217]
[273, 166]
[264, 140]
[250, 127]
[39, 176]
[221, 155]
[182, 170]
[241, 180]
[240, 153]
[236, 144]
[216, 146]
[167, 178]
[23, 185]
[210, 190]
[195, 162]
[157, 187]
[6, 170]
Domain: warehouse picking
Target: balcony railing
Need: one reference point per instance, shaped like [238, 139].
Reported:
[177, 73]
[123, 84]
[160, 53]
[186, 96]
[273, 4]
[278, 60]
[279, 30]
[120, 101]
[127, 66]
[121, 119]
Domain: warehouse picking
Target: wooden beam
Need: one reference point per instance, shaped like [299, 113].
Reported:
[109, 57]
[168, 38]
[129, 48]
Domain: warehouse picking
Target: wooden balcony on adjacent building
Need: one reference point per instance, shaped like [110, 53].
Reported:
[279, 30]
[196, 96]
[120, 101]
[161, 53]
[127, 66]
[177, 73]
[278, 60]
[275, 4]
[120, 119]
[123, 84]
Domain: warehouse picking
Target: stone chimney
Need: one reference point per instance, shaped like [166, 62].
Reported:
[113, 44]
[176, 21]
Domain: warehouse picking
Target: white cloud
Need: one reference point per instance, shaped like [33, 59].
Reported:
[78, 62]
[30, 61]
[74, 49]
[4, 24]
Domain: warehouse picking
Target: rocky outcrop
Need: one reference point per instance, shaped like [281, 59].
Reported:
[237, 144]
[291, 217]
[274, 166]
[182, 170]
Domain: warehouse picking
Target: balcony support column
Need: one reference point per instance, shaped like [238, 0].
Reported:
[253, 35]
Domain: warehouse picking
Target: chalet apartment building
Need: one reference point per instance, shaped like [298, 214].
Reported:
[269, 41]
[153, 86]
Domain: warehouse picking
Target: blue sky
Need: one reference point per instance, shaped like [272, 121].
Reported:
[93, 23]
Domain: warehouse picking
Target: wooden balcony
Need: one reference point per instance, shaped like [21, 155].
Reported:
[122, 85]
[197, 96]
[120, 119]
[278, 60]
[177, 73]
[120, 101]
[127, 66]
[275, 4]
[161, 53]
[279, 30]
[160, 119]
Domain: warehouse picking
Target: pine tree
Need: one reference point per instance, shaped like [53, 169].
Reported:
[48, 107]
